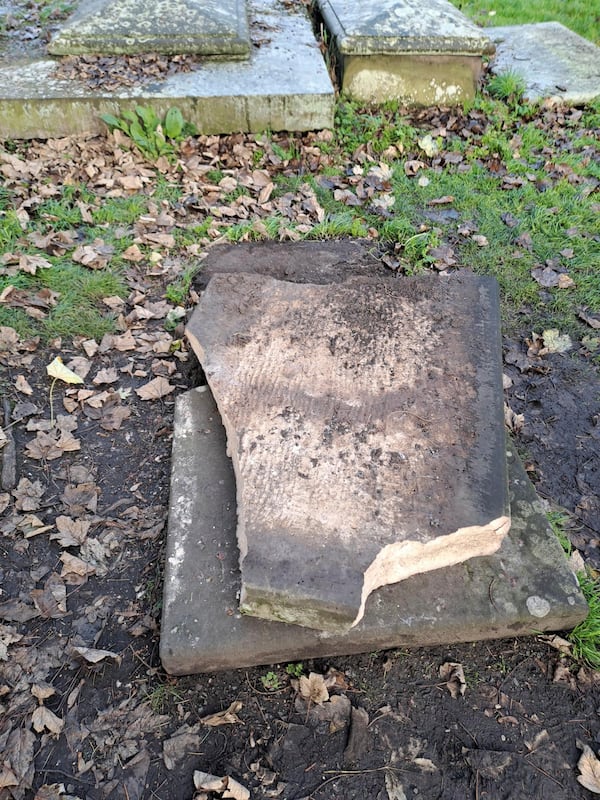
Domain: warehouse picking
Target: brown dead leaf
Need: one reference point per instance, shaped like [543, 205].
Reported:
[30, 526]
[94, 256]
[80, 498]
[514, 422]
[80, 366]
[70, 532]
[313, 688]
[480, 240]
[18, 757]
[44, 719]
[441, 201]
[48, 446]
[42, 691]
[93, 656]
[109, 375]
[132, 253]
[227, 717]
[589, 767]
[51, 601]
[28, 495]
[565, 281]
[454, 675]
[75, 570]
[155, 389]
[412, 167]
[21, 385]
[186, 739]
[593, 320]
[546, 277]
[227, 787]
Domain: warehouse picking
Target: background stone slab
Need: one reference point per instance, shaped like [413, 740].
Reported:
[365, 426]
[554, 62]
[206, 27]
[525, 588]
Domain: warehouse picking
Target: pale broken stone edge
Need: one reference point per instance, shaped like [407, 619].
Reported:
[400, 560]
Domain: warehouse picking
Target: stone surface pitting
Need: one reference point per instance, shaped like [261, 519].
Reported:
[393, 27]
[554, 62]
[525, 588]
[365, 426]
[284, 85]
[206, 27]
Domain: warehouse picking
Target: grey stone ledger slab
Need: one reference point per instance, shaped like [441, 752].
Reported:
[555, 63]
[108, 27]
[284, 85]
[395, 27]
[417, 53]
[365, 425]
[526, 587]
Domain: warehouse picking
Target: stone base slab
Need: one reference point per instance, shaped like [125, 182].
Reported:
[525, 588]
[284, 85]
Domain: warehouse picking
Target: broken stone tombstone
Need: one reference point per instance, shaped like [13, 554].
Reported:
[364, 422]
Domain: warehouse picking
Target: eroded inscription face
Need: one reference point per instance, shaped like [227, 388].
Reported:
[360, 421]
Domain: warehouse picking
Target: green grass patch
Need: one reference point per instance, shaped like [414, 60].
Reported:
[586, 636]
[581, 16]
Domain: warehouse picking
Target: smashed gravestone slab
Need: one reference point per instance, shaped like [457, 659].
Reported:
[109, 27]
[364, 423]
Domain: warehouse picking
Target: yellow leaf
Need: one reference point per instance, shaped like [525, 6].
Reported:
[56, 369]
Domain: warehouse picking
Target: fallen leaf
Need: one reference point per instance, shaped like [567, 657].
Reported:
[454, 675]
[44, 719]
[428, 145]
[185, 740]
[514, 422]
[227, 787]
[556, 342]
[565, 281]
[8, 636]
[21, 385]
[75, 570]
[589, 767]
[70, 532]
[28, 495]
[155, 389]
[592, 320]
[440, 201]
[313, 688]
[42, 691]
[109, 375]
[56, 369]
[393, 786]
[51, 601]
[93, 656]
[480, 240]
[413, 166]
[227, 717]
[546, 277]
